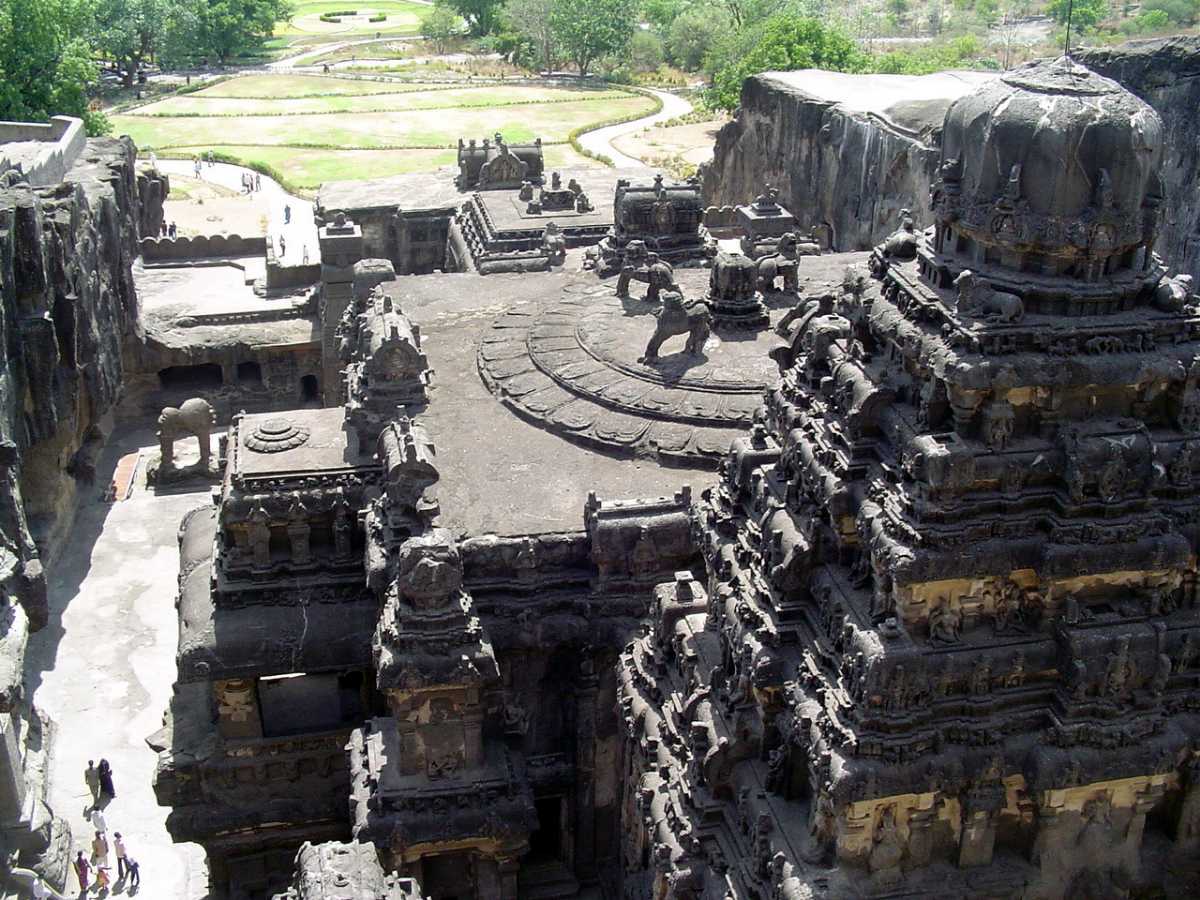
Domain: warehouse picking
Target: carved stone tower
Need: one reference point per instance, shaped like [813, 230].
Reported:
[949, 637]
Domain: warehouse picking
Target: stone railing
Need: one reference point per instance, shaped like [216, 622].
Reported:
[202, 246]
[61, 140]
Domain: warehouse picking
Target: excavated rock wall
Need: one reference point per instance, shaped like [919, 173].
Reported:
[1166, 74]
[67, 306]
[851, 172]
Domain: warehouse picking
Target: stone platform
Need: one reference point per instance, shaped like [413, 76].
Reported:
[572, 367]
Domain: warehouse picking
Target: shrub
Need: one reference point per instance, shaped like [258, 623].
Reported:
[382, 17]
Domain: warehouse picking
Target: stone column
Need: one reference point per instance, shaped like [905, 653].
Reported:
[341, 247]
[585, 769]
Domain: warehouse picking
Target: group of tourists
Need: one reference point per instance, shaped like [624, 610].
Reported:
[93, 872]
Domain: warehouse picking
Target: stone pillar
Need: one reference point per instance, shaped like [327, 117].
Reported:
[341, 247]
[508, 868]
[585, 766]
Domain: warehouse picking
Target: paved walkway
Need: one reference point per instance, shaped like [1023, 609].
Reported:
[104, 666]
[298, 232]
[600, 140]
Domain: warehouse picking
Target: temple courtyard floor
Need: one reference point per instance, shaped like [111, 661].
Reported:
[104, 666]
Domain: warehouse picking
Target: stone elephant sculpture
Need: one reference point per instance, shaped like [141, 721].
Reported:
[195, 417]
[677, 317]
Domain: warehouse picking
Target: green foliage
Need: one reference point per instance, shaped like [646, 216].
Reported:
[481, 16]
[46, 65]
[589, 31]
[1177, 12]
[924, 60]
[660, 14]
[1146, 23]
[645, 51]
[691, 35]
[223, 29]
[781, 43]
[533, 41]
[439, 27]
[1085, 14]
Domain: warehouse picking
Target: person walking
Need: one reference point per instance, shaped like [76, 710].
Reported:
[287, 214]
[106, 780]
[91, 775]
[100, 850]
[102, 881]
[282, 247]
[171, 232]
[196, 166]
[304, 255]
[83, 871]
[97, 820]
[135, 876]
[258, 181]
[119, 849]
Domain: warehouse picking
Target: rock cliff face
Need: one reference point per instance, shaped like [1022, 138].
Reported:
[1166, 74]
[846, 167]
[67, 305]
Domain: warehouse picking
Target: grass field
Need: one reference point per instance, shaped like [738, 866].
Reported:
[314, 128]
[402, 18]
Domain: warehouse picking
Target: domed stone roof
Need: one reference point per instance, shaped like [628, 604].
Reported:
[1051, 158]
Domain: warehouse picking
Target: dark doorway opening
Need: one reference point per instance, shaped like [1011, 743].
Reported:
[186, 378]
[545, 844]
[310, 390]
[249, 373]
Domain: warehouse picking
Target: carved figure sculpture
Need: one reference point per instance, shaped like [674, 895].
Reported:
[554, 244]
[1172, 294]
[783, 263]
[679, 317]
[194, 417]
[641, 265]
[976, 298]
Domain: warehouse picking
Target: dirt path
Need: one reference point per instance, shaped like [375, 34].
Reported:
[600, 140]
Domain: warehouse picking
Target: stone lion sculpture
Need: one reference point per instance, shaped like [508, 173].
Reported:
[783, 263]
[976, 298]
[195, 417]
[554, 243]
[678, 317]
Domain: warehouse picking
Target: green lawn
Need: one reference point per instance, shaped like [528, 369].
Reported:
[308, 169]
[402, 18]
[314, 128]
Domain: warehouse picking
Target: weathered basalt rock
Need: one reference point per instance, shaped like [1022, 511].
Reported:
[68, 306]
[1166, 74]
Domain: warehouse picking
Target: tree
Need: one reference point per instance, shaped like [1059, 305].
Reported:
[439, 27]
[1084, 13]
[46, 67]
[645, 51]
[481, 16]
[780, 44]
[221, 29]
[531, 20]
[130, 32]
[692, 35]
[589, 31]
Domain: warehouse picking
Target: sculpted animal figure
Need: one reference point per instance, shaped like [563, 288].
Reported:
[783, 263]
[678, 317]
[976, 298]
[195, 417]
[1172, 294]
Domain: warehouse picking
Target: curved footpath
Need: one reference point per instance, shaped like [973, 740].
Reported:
[600, 140]
[299, 232]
